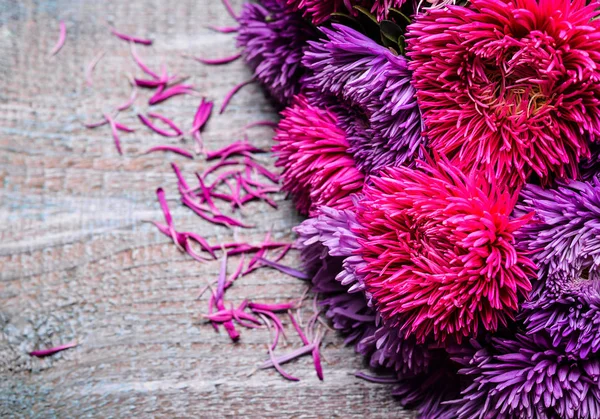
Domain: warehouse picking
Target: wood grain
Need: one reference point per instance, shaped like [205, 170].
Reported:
[78, 262]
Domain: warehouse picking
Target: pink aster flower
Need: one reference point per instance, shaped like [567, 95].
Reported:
[313, 151]
[321, 10]
[510, 87]
[380, 8]
[439, 251]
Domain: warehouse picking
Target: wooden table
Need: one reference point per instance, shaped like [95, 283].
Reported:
[78, 262]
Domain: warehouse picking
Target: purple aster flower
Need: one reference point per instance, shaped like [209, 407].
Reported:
[325, 242]
[569, 311]
[564, 235]
[273, 37]
[527, 376]
[375, 81]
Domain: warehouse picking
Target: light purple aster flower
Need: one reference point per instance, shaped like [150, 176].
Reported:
[273, 37]
[527, 376]
[327, 244]
[371, 78]
[564, 235]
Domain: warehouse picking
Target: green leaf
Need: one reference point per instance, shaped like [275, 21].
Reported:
[401, 45]
[369, 23]
[390, 30]
[365, 12]
[347, 20]
[398, 16]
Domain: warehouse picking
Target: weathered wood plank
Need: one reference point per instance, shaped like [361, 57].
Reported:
[77, 261]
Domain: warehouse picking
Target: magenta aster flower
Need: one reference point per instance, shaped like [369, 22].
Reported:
[313, 151]
[272, 37]
[380, 8]
[321, 10]
[328, 245]
[439, 251]
[510, 87]
[371, 79]
[527, 376]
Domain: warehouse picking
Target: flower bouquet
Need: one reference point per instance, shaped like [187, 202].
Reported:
[445, 155]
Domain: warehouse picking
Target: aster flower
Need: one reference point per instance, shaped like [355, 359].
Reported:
[381, 7]
[313, 151]
[318, 10]
[321, 10]
[439, 251]
[429, 394]
[272, 37]
[509, 87]
[590, 168]
[564, 239]
[326, 241]
[528, 377]
[565, 233]
[373, 80]
[327, 245]
[569, 311]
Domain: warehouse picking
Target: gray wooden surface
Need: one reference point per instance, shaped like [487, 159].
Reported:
[77, 261]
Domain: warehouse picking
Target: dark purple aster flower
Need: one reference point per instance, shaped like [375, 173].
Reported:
[590, 168]
[527, 376]
[564, 235]
[387, 347]
[375, 81]
[429, 394]
[272, 37]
